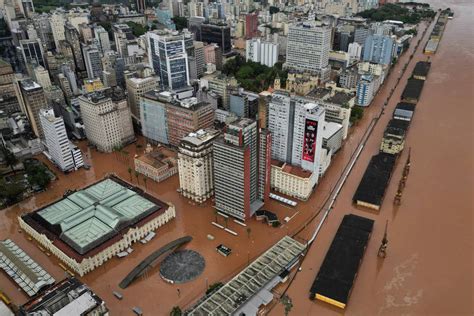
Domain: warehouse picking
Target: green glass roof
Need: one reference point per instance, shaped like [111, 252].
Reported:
[91, 216]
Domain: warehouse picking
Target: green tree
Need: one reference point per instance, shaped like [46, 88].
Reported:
[137, 29]
[214, 287]
[287, 303]
[180, 22]
[11, 192]
[274, 10]
[130, 173]
[136, 176]
[176, 311]
[357, 113]
[9, 157]
[38, 175]
[249, 230]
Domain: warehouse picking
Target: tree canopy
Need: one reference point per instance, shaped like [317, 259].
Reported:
[137, 29]
[180, 22]
[392, 11]
[37, 175]
[254, 76]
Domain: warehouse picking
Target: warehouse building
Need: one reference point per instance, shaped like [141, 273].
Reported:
[335, 279]
[86, 228]
[393, 140]
[252, 288]
[371, 189]
[66, 298]
[29, 276]
[412, 91]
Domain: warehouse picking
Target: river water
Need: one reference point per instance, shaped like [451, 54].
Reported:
[429, 268]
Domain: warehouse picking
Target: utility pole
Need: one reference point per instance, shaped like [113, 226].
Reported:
[383, 246]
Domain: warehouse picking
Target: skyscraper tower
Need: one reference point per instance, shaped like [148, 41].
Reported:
[308, 48]
[168, 57]
[236, 169]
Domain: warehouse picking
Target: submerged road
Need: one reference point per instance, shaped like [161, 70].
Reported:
[416, 275]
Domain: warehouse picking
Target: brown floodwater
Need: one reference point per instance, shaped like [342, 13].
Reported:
[429, 268]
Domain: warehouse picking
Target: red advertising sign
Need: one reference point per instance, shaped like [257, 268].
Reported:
[309, 142]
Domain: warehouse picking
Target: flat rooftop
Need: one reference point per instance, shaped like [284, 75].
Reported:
[248, 283]
[86, 221]
[339, 269]
[68, 297]
[372, 187]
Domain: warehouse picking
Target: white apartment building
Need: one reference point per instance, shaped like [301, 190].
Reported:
[57, 22]
[102, 37]
[136, 87]
[107, 123]
[355, 51]
[60, 152]
[195, 165]
[42, 77]
[291, 180]
[308, 48]
[265, 53]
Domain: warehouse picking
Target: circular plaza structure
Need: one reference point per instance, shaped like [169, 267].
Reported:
[182, 266]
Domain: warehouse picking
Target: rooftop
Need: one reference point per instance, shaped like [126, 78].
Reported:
[30, 276]
[422, 68]
[29, 84]
[372, 187]
[84, 222]
[200, 137]
[248, 283]
[68, 297]
[159, 157]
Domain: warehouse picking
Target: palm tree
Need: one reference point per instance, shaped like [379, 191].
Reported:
[249, 230]
[130, 173]
[136, 176]
[215, 214]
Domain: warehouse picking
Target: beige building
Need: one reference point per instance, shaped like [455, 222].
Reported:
[195, 164]
[96, 223]
[158, 164]
[42, 77]
[107, 120]
[136, 87]
[301, 83]
[33, 100]
[291, 180]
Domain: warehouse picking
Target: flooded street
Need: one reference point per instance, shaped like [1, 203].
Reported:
[429, 267]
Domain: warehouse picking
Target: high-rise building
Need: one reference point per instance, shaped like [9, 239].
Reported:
[72, 38]
[32, 54]
[197, 64]
[365, 90]
[153, 116]
[60, 150]
[8, 96]
[223, 86]
[107, 121]
[355, 51]
[122, 33]
[33, 99]
[57, 22]
[102, 37]
[42, 77]
[251, 25]
[236, 170]
[244, 103]
[195, 165]
[194, 26]
[265, 53]
[137, 87]
[361, 33]
[168, 57]
[93, 61]
[308, 48]
[141, 6]
[296, 126]
[379, 49]
[218, 34]
[186, 116]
